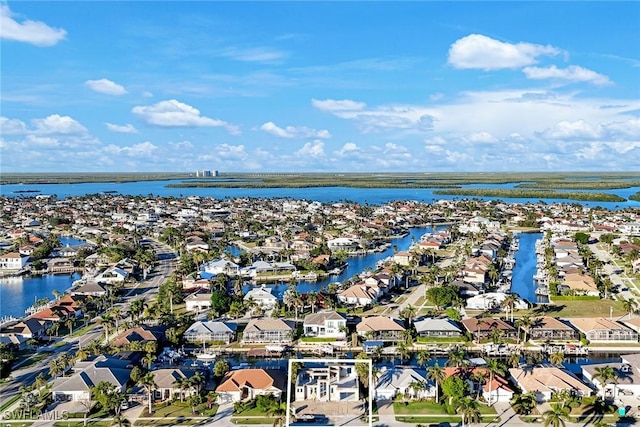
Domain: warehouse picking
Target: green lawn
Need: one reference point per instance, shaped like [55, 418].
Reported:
[179, 409]
[455, 419]
[241, 420]
[598, 308]
[252, 412]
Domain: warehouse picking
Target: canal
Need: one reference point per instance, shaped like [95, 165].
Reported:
[522, 282]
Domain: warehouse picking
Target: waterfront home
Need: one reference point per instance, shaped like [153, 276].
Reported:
[381, 328]
[112, 275]
[193, 283]
[13, 261]
[265, 330]
[548, 380]
[93, 289]
[492, 300]
[12, 341]
[475, 269]
[404, 258]
[211, 331]
[403, 381]
[359, 294]
[483, 327]
[343, 244]
[139, 334]
[578, 283]
[170, 383]
[494, 391]
[246, 384]
[331, 383]
[88, 374]
[262, 297]
[222, 266]
[198, 302]
[196, 244]
[325, 324]
[437, 328]
[600, 329]
[546, 328]
[627, 381]
[28, 328]
[264, 268]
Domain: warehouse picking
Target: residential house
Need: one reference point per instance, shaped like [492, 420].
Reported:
[381, 328]
[343, 244]
[198, 302]
[168, 383]
[141, 334]
[331, 383]
[437, 328]
[13, 261]
[325, 324]
[93, 289]
[211, 331]
[222, 266]
[496, 390]
[88, 374]
[401, 380]
[483, 327]
[262, 297]
[600, 329]
[491, 301]
[579, 283]
[359, 294]
[627, 379]
[245, 384]
[548, 380]
[265, 330]
[28, 328]
[403, 258]
[548, 328]
[112, 275]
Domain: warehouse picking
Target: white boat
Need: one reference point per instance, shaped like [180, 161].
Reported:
[205, 356]
[274, 348]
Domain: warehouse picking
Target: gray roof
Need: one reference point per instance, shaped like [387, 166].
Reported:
[400, 377]
[436, 325]
[320, 317]
[211, 327]
[90, 377]
[266, 324]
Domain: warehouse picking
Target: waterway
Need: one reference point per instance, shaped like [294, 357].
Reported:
[522, 280]
[19, 293]
[374, 196]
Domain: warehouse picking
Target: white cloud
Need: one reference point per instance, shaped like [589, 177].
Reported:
[313, 149]
[147, 94]
[566, 130]
[143, 150]
[57, 125]
[347, 149]
[481, 138]
[294, 132]
[573, 73]
[476, 51]
[106, 86]
[231, 152]
[173, 113]
[12, 126]
[34, 32]
[258, 54]
[128, 128]
[337, 105]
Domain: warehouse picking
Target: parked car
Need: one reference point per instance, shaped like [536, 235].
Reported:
[625, 392]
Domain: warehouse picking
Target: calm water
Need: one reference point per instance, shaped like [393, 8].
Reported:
[19, 293]
[525, 268]
[325, 194]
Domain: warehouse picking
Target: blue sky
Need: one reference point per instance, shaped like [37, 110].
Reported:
[320, 86]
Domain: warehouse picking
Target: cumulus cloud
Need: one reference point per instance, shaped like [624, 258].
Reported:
[33, 32]
[144, 149]
[128, 128]
[476, 51]
[12, 126]
[572, 73]
[347, 149]
[313, 149]
[106, 86]
[56, 124]
[173, 113]
[294, 132]
[481, 137]
[337, 105]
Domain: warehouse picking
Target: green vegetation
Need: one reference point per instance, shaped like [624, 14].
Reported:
[579, 308]
[83, 177]
[531, 194]
[635, 197]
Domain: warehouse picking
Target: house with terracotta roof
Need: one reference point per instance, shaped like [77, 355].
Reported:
[547, 328]
[549, 380]
[496, 390]
[380, 328]
[248, 383]
[141, 334]
[267, 330]
[579, 283]
[600, 329]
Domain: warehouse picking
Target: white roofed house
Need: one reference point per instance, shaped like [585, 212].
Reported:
[211, 331]
[112, 275]
[343, 244]
[437, 328]
[325, 324]
[222, 266]
[332, 383]
[198, 302]
[627, 381]
[262, 297]
[398, 380]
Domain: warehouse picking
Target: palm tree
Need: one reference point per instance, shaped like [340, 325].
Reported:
[556, 416]
[556, 358]
[457, 358]
[69, 324]
[107, 322]
[494, 367]
[605, 374]
[417, 387]
[523, 404]
[403, 351]
[629, 305]
[423, 358]
[514, 359]
[148, 382]
[469, 409]
[510, 302]
[437, 375]
[479, 378]
[524, 323]
[279, 413]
